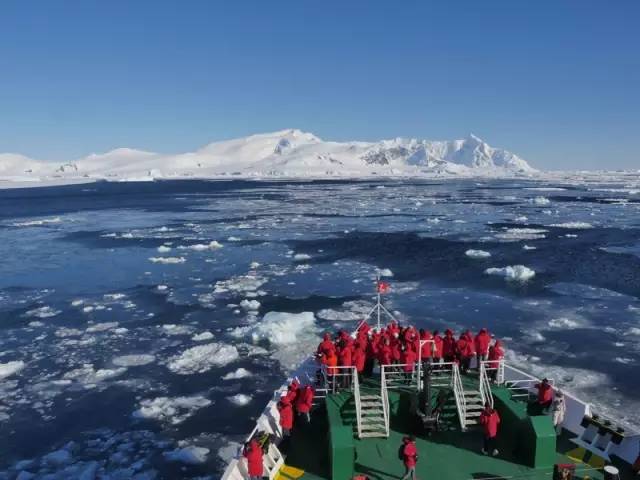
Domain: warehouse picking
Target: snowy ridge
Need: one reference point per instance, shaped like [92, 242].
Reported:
[286, 153]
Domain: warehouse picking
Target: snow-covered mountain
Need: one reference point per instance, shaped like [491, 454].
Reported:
[287, 153]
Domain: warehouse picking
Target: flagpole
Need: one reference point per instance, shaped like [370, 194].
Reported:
[378, 304]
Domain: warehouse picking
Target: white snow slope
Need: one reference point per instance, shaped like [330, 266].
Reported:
[287, 153]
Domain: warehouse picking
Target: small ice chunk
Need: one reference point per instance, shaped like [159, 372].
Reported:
[540, 201]
[203, 358]
[477, 254]
[384, 272]
[163, 249]
[102, 327]
[240, 399]
[201, 337]
[43, 312]
[173, 410]
[201, 247]
[518, 273]
[564, 323]
[237, 374]
[167, 260]
[301, 256]
[133, 360]
[250, 305]
[574, 225]
[191, 455]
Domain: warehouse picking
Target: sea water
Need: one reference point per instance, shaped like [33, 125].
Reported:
[145, 325]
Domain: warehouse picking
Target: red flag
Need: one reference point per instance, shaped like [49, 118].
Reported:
[383, 287]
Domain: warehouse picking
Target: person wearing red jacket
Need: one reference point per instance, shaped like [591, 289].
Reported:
[409, 457]
[408, 359]
[545, 396]
[304, 402]
[345, 359]
[326, 345]
[253, 453]
[385, 355]
[331, 362]
[437, 349]
[482, 341]
[292, 391]
[496, 354]
[448, 346]
[426, 351]
[464, 352]
[489, 419]
[359, 360]
[286, 416]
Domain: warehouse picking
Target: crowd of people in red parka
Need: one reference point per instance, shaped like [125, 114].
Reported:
[402, 345]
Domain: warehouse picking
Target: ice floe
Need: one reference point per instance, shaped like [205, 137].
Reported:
[517, 273]
[191, 455]
[43, 312]
[384, 272]
[163, 249]
[477, 253]
[10, 368]
[202, 337]
[87, 375]
[133, 360]
[237, 374]
[573, 225]
[283, 328]
[298, 257]
[171, 410]
[351, 311]
[173, 329]
[36, 223]
[240, 399]
[203, 358]
[540, 201]
[167, 260]
[517, 234]
[201, 247]
[250, 305]
[241, 283]
[563, 323]
[102, 327]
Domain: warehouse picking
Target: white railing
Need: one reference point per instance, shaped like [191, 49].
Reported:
[384, 393]
[521, 384]
[397, 377]
[576, 411]
[442, 374]
[272, 459]
[458, 391]
[356, 398]
[337, 379]
[485, 385]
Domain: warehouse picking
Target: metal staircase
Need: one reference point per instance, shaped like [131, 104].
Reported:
[373, 421]
[469, 403]
[371, 410]
[473, 408]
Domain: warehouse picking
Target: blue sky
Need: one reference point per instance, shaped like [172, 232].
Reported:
[557, 82]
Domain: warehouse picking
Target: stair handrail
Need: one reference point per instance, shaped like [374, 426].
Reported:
[458, 391]
[485, 385]
[355, 383]
[384, 393]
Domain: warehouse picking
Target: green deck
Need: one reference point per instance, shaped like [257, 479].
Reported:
[446, 455]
